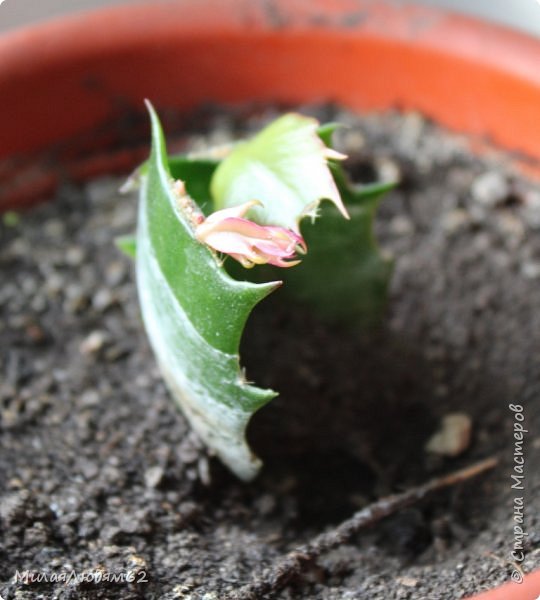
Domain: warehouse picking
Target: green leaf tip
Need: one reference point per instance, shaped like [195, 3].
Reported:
[326, 131]
[127, 244]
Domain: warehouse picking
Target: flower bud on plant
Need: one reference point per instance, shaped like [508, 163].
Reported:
[247, 242]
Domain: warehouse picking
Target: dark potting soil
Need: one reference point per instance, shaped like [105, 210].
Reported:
[99, 471]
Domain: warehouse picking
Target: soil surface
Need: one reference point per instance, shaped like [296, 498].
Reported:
[99, 471]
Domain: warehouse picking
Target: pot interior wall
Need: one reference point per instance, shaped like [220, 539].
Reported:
[62, 80]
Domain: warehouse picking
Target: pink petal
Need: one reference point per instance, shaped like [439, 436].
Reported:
[239, 226]
[247, 242]
[233, 212]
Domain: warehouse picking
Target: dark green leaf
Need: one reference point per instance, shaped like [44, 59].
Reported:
[194, 314]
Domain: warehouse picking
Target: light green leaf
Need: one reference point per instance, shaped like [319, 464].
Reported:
[194, 314]
[284, 167]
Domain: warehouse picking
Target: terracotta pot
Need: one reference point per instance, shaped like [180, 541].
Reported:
[64, 84]
[528, 590]
[60, 81]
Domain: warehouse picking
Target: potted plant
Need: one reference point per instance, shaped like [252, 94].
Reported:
[360, 55]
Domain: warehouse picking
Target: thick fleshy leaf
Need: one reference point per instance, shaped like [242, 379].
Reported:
[344, 277]
[284, 167]
[194, 313]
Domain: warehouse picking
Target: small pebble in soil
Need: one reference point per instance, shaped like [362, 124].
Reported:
[453, 437]
[490, 189]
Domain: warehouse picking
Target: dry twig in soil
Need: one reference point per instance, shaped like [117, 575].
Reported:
[277, 576]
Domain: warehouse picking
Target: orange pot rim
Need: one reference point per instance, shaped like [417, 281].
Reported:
[61, 80]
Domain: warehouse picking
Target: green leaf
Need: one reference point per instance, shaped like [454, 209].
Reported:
[326, 131]
[194, 313]
[11, 218]
[344, 277]
[284, 167]
[127, 244]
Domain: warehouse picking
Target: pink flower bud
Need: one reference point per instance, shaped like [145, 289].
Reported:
[247, 242]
